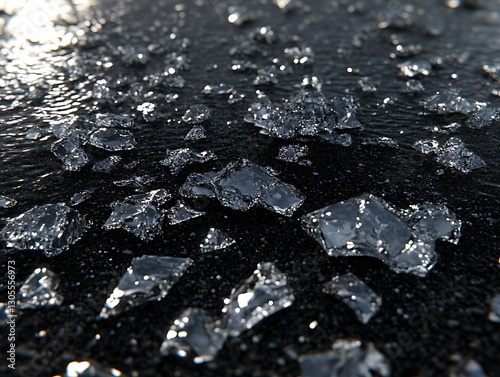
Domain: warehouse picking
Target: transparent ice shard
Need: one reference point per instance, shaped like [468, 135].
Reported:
[414, 68]
[181, 212]
[142, 220]
[112, 139]
[294, 153]
[344, 140]
[90, 369]
[6, 202]
[50, 228]
[199, 184]
[194, 334]
[355, 294]
[113, 120]
[366, 85]
[426, 146]
[414, 86]
[68, 150]
[149, 278]
[215, 240]
[34, 133]
[39, 290]
[494, 314]
[382, 141]
[177, 159]
[106, 165]
[483, 118]
[197, 114]
[80, 197]
[196, 133]
[448, 102]
[138, 181]
[154, 197]
[347, 358]
[263, 294]
[367, 226]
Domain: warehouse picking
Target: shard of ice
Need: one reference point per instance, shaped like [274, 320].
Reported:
[39, 290]
[137, 181]
[112, 139]
[382, 141]
[106, 165]
[263, 294]
[69, 151]
[367, 226]
[414, 68]
[494, 314]
[483, 118]
[50, 228]
[155, 197]
[177, 159]
[80, 197]
[348, 358]
[181, 212]
[215, 240]
[90, 369]
[366, 85]
[243, 184]
[194, 334]
[6, 202]
[414, 86]
[448, 102]
[143, 220]
[217, 90]
[355, 294]
[149, 278]
[113, 120]
[197, 114]
[196, 133]
[294, 153]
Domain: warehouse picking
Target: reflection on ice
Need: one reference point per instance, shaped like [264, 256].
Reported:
[149, 278]
[112, 139]
[215, 240]
[177, 159]
[181, 212]
[448, 102]
[106, 165]
[263, 294]
[197, 114]
[194, 334]
[39, 290]
[80, 197]
[355, 294]
[50, 228]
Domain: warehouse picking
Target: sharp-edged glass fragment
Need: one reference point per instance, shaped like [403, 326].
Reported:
[448, 102]
[6, 202]
[181, 212]
[90, 369]
[106, 165]
[196, 133]
[267, 76]
[215, 240]
[348, 358]
[142, 220]
[197, 114]
[177, 159]
[194, 334]
[149, 278]
[50, 228]
[39, 290]
[155, 197]
[112, 139]
[494, 314]
[34, 133]
[355, 294]
[263, 294]
[294, 153]
[80, 197]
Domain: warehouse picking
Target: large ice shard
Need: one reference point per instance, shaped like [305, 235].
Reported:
[50, 228]
[112, 139]
[215, 240]
[348, 358]
[494, 314]
[90, 369]
[355, 294]
[149, 278]
[194, 334]
[367, 226]
[263, 294]
[243, 184]
[39, 290]
[69, 151]
[181, 212]
[177, 159]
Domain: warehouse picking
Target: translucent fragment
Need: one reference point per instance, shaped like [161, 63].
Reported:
[6, 202]
[494, 314]
[382, 141]
[113, 120]
[138, 181]
[482, 118]
[39, 290]
[264, 34]
[215, 240]
[217, 90]
[194, 334]
[90, 369]
[414, 86]
[34, 133]
[50, 228]
[344, 140]
[80, 197]
[263, 294]
[294, 153]
[181, 212]
[196, 133]
[112, 139]
[106, 165]
[266, 76]
[300, 55]
[197, 114]
[155, 197]
[177, 159]
[426, 146]
[366, 85]
[149, 278]
[68, 150]
[446, 129]
[414, 68]
[282, 198]
[355, 294]
[454, 155]
[348, 358]
[198, 184]
[448, 102]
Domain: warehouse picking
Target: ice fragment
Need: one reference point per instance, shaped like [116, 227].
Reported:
[112, 139]
[448, 102]
[300, 55]
[414, 68]
[106, 165]
[113, 120]
[414, 86]
[196, 133]
[215, 240]
[80, 197]
[197, 114]
[6, 202]
[155, 197]
[39, 290]
[177, 159]
[138, 181]
[482, 118]
[181, 212]
[294, 153]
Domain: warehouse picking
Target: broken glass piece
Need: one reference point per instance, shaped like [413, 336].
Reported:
[80, 197]
[300, 55]
[193, 333]
[348, 358]
[50, 228]
[367, 226]
[356, 295]
[181, 212]
[414, 68]
[414, 86]
[149, 278]
[155, 197]
[196, 133]
[106, 165]
[88, 369]
[217, 90]
[382, 141]
[366, 85]
[294, 153]
[113, 120]
[142, 220]
[482, 118]
[39, 290]
[112, 139]
[197, 114]
[263, 294]
[177, 159]
[494, 314]
[138, 182]
[215, 240]
[6, 202]
[448, 102]
[235, 98]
